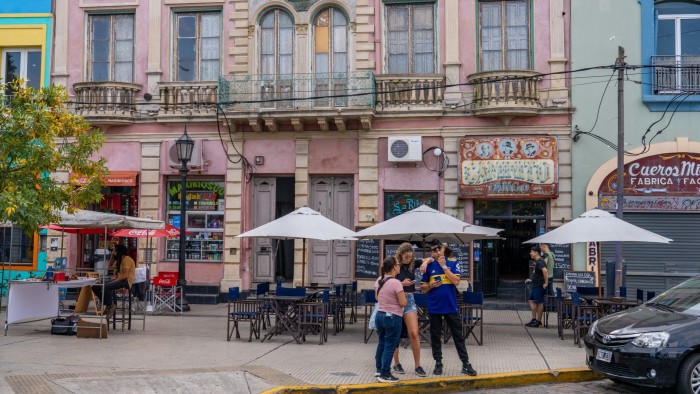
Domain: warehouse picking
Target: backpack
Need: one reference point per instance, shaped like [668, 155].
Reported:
[67, 325]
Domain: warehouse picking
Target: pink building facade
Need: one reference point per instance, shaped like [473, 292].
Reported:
[359, 109]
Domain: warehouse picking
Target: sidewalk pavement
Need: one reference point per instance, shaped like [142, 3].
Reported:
[189, 353]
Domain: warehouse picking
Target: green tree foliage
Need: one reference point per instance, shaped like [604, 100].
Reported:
[38, 138]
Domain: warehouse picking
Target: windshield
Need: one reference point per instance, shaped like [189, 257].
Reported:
[683, 298]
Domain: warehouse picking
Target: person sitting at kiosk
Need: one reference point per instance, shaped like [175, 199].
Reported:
[125, 270]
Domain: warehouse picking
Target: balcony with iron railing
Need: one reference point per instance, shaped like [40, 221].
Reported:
[505, 93]
[325, 101]
[675, 74]
[672, 80]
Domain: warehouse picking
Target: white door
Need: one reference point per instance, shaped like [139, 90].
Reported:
[263, 212]
[331, 261]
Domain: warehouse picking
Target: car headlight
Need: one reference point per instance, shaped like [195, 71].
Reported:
[592, 329]
[651, 339]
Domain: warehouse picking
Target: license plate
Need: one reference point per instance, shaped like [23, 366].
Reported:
[603, 355]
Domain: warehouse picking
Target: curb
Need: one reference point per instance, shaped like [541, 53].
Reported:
[452, 384]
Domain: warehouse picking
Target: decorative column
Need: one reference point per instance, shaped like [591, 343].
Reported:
[155, 28]
[453, 95]
[557, 59]
[60, 62]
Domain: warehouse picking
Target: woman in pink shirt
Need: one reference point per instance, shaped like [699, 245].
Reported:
[391, 299]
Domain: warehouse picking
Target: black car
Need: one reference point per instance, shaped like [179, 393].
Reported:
[656, 344]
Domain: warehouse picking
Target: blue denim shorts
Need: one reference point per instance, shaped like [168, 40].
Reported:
[537, 294]
[410, 305]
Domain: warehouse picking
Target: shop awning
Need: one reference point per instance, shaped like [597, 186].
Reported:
[114, 178]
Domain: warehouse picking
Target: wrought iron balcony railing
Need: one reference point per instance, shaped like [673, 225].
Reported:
[395, 90]
[675, 74]
[297, 91]
[505, 92]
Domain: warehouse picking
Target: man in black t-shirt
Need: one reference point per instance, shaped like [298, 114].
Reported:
[539, 285]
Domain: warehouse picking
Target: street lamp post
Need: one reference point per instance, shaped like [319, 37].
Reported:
[184, 146]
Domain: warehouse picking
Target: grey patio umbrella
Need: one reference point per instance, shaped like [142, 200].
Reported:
[597, 225]
[425, 223]
[302, 223]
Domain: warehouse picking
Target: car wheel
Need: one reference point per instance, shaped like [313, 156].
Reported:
[689, 376]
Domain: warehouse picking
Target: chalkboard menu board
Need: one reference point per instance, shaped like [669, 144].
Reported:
[461, 253]
[562, 259]
[573, 279]
[367, 259]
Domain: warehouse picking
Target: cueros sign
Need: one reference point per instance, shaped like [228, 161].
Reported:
[664, 182]
[658, 175]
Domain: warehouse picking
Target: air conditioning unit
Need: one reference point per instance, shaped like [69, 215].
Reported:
[195, 162]
[407, 148]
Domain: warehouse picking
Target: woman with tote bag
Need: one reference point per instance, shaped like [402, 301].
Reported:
[391, 300]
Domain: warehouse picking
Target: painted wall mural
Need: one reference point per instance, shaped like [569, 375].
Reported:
[508, 167]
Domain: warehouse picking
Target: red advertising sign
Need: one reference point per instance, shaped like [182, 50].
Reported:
[659, 175]
[508, 167]
[665, 182]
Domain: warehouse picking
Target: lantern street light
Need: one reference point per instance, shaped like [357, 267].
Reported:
[184, 146]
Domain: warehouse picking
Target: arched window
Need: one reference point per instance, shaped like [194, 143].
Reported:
[330, 42]
[277, 43]
[330, 57]
[276, 57]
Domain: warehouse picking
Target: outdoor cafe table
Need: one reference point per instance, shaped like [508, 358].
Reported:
[286, 316]
[612, 305]
[32, 300]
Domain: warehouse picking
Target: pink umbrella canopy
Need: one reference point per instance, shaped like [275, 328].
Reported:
[168, 231]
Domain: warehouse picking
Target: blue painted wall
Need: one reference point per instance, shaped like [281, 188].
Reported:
[25, 7]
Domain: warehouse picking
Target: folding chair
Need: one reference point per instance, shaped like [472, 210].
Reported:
[551, 305]
[585, 316]
[370, 300]
[423, 316]
[166, 293]
[313, 318]
[350, 300]
[472, 314]
[565, 315]
[242, 311]
[261, 290]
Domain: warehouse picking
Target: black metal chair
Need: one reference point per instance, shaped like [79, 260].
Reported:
[242, 311]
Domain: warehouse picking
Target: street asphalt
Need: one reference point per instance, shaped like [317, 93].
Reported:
[189, 353]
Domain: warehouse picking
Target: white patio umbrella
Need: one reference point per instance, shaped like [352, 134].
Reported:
[424, 223]
[301, 224]
[597, 225]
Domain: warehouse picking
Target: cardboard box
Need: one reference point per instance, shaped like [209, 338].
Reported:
[88, 329]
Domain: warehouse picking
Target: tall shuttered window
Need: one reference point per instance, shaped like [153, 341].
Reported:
[505, 35]
[411, 38]
[111, 47]
[198, 46]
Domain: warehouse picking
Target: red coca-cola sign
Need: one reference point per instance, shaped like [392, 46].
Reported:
[671, 174]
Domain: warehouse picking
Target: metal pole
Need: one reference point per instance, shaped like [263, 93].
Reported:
[181, 281]
[620, 66]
